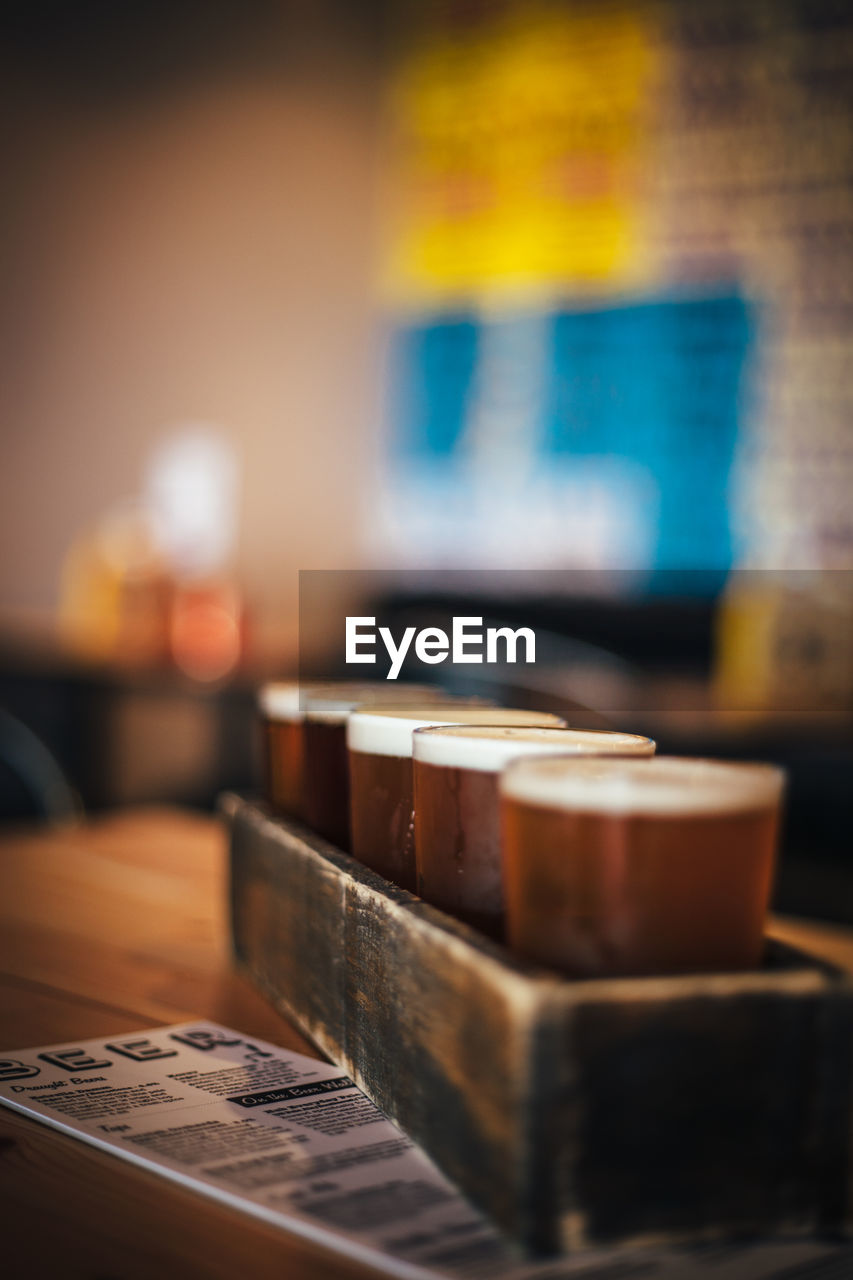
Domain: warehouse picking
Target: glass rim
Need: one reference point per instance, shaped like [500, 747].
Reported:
[651, 786]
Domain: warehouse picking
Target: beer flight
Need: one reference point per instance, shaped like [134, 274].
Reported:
[581, 849]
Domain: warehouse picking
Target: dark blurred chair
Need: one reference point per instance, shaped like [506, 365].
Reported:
[31, 781]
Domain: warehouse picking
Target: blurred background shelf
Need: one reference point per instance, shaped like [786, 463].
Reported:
[130, 735]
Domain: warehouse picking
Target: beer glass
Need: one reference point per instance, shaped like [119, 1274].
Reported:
[381, 784]
[281, 723]
[457, 811]
[283, 707]
[325, 769]
[639, 866]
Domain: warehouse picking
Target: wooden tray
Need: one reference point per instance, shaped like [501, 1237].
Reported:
[573, 1113]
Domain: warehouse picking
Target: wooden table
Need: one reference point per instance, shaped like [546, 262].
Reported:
[114, 926]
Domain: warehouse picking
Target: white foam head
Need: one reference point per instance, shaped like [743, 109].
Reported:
[490, 748]
[387, 731]
[666, 786]
[280, 701]
[291, 700]
[334, 703]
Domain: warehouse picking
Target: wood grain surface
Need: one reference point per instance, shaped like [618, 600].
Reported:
[115, 926]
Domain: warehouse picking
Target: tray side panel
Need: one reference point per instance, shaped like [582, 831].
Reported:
[437, 1039]
[706, 1117]
[287, 924]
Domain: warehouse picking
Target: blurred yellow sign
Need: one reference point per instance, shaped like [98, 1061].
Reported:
[520, 152]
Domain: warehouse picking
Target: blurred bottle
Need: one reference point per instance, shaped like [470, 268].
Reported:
[191, 493]
[206, 629]
[115, 592]
[152, 583]
[783, 644]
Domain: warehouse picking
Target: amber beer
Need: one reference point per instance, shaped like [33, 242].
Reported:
[639, 866]
[283, 707]
[282, 729]
[457, 811]
[381, 782]
[325, 805]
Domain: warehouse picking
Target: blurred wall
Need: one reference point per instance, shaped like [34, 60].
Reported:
[625, 283]
[187, 238]
[619, 304]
